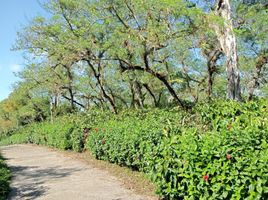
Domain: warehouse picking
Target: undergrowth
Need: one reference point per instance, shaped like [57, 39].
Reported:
[5, 177]
[217, 151]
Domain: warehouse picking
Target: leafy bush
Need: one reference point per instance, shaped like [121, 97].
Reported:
[218, 151]
[5, 176]
[66, 133]
[211, 166]
[221, 151]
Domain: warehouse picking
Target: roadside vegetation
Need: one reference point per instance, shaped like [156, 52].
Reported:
[174, 89]
[218, 151]
[5, 177]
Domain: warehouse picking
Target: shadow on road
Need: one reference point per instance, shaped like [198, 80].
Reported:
[35, 180]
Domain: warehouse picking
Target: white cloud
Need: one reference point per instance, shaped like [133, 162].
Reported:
[15, 68]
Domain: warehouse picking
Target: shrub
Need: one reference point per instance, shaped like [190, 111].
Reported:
[224, 157]
[5, 177]
[66, 133]
[218, 151]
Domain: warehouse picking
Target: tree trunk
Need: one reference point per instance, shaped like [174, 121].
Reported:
[70, 86]
[262, 60]
[146, 86]
[155, 74]
[139, 95]
[212, 57]
[97, 75]
[54, 100]
[228, 44]
[170, 89]
[132, 105]
[163, 79]
[71, 98]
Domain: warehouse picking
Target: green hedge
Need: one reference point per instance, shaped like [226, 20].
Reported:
[66, 133]
[218, 151]
[5, 177]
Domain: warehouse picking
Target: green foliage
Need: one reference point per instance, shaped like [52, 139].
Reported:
[5, 177]
[66, 133]
[218, 151]
[225, 159]
[120, 54]
[124, 139]
[57, 134]
[124, 54]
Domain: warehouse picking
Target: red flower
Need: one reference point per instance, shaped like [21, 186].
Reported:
[206, 178]
[228, 156]
[96, 129]
[103, 141]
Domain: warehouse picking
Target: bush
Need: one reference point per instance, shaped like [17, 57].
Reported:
[66, 133]
[5, 177]
[225, 159]
[218, 151]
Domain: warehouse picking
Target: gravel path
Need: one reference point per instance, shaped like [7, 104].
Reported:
[42, 173]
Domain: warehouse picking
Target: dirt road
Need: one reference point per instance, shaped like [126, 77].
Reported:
[42, 173]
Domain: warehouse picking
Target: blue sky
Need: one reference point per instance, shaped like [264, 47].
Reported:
[13, 15]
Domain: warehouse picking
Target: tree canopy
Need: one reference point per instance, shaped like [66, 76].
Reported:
[120, 54]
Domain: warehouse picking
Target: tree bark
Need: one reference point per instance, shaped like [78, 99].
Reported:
[155, 74]
[228, 44]
[262, 60]
[138, 92]
[74, 101]
[104, 93]
[70, 86]
[137, 100]
[132, 105]
[212, 57]
[146, 86]
[163, 79]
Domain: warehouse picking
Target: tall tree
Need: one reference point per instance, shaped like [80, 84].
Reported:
[228, 44]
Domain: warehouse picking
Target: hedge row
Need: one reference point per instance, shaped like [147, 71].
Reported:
[65, 133]
[226, 159]
[5, 176]
[219, 151]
